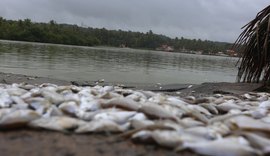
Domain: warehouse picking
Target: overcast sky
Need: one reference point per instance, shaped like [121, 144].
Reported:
[218, 20]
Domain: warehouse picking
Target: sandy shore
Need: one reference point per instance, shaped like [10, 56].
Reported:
[204, 89]
[47, 143]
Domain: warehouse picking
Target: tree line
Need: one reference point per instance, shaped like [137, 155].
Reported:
[52, 32]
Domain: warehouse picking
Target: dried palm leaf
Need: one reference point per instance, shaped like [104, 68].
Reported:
[253, 46]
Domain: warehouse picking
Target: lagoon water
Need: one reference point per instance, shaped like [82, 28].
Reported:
[113, 64]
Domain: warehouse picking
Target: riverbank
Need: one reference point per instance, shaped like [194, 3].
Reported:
[201, 90]
[31, 142]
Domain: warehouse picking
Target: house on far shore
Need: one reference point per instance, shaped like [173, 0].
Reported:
[220, 53]
[231, 53]
[165, 47]
[122, 46]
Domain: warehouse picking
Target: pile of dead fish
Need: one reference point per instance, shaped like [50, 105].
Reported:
[218, 125]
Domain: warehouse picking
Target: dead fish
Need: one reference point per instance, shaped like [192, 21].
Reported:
[172, 139]
[138, 116]
[144, 136]
[158, 98]
[199, 109]
[258, 113]
[173, 110]
[266, 119]
[197, 115]
[16, 91]
[52, 111]
[87, 91]
[70, 96]
[136, 124]
[119, 117]
[180, 104]
[190, 122]
[230, 97]
[204, 100]
[156, 126]
[87, 116]
[211, 107]
[200, 131]
[48, 86]
[38, 103]
[90, 104]
[19, 102]
[107, 89]
[165, 138]
[108, 95]
[263, 98]
[155, 111]
[187, 109]
[123, 103]
[52, 96]
[5, 100]
[219, 100]
[18, 118]
[224, 117]
[259, 142]
[26, 86]
[70, 108]
[248, 123]
[228, 105]
[102, 126]
[210, 132]
[5, 111]
[172, 124]
[218, 130]
[57, 123]
[146, 94]
[250, 97]
[221, 147]
[265, 105]
[135, 97]
[190, 99]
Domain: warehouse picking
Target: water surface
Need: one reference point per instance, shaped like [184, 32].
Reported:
[113, 64]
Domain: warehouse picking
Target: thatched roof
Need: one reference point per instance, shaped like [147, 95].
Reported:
[253, 44]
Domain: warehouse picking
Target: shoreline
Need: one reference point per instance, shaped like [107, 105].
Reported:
[46, 142]
[106, 46]
[197, 90]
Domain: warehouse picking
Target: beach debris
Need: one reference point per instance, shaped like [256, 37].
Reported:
[221, 125]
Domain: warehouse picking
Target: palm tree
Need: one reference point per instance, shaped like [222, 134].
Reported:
[253, 44]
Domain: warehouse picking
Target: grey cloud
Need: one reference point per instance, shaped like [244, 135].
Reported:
[206, 19]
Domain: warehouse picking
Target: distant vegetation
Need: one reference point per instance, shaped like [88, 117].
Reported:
[26, 30]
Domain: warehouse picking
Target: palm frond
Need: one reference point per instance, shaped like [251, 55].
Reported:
[253, 46]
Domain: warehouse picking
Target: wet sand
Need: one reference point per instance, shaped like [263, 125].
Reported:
[47, 143]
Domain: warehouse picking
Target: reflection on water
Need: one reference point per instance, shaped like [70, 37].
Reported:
[113, 64]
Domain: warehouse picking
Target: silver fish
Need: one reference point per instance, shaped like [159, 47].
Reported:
[221, 147]
[155, 111]
[120, 117]
[57, 123]
[137, 124]
[5, 100]
[258, 141]
[173, 139]
[90, 104]
[211, 107]
[228, 105]
[70, 108]
[102, 126]
[123, 103]
[18, 118]
[248, 123]
[52, 96]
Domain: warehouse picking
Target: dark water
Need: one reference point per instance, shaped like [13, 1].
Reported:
[113, 64]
